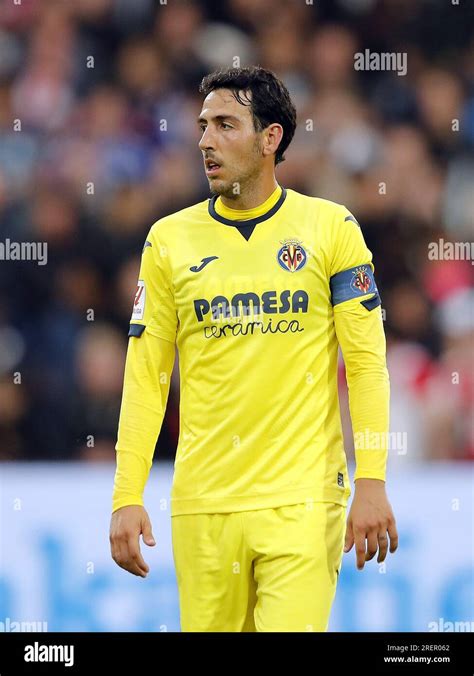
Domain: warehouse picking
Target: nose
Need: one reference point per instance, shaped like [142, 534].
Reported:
[207, 140]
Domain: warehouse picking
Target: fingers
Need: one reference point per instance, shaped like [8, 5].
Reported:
[392, 531]
[126, 554]
[372, 545]
[383, 546]
[369, 540]
[132, 562]
[360, 536]
[147, 534]
[136, 559]
[349, 541]
[126, 525]
[383, 540]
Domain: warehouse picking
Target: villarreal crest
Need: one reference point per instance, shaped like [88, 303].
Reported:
[361, 282]
[291, 256]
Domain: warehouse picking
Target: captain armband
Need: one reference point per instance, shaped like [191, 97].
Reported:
[354, 283]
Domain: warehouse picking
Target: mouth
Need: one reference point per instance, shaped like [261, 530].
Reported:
[212, 167]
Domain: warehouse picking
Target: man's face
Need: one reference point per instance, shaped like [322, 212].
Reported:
[230, 146]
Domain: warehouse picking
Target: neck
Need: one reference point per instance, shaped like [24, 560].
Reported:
[254, 195]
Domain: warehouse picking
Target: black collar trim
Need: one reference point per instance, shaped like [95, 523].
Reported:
[250, 221]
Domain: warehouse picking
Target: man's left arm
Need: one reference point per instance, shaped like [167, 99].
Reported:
[360, 333]
[361, 337]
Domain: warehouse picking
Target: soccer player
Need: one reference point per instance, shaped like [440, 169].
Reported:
[257, 287]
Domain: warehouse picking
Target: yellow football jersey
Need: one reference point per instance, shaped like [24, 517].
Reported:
[257, 308]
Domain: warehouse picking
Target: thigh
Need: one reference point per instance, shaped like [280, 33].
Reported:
[213, 573]
[299, 555]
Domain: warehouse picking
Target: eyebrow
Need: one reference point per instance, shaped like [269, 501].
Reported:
[219, 118]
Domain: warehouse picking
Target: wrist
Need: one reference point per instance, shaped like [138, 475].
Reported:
[371, 484]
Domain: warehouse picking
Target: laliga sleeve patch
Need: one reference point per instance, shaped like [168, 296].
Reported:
[139, 301]
[352, 283]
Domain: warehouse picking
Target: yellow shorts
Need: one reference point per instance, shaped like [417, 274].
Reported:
[261, 570]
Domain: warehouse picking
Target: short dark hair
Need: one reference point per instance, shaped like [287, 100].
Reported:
[270, 100]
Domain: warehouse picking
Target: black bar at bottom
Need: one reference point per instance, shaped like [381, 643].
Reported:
[321, 653]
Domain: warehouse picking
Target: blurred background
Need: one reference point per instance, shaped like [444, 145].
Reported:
[98, 139]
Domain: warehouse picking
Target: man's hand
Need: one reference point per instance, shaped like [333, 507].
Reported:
[126, 525]
[370, 518]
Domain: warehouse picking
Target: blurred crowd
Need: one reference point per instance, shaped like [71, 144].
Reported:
[98, 139]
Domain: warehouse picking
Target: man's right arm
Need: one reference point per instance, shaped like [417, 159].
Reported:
[146, 386]
[148, 368]
[148, 371]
